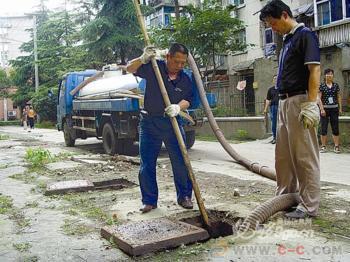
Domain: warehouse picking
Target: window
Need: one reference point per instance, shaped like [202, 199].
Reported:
[329, 11]
[236, 2]
[323, 13]
[268, 36]
[240, 37]
[167, 19]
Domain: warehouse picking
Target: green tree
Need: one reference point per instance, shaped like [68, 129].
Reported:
[207, 31]
[114, 35]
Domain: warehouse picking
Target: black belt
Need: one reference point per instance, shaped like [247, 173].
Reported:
[145, 113]
[290, 94]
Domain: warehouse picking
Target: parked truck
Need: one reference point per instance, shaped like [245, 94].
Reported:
[106, 110]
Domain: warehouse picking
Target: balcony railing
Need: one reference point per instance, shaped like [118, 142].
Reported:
[155, 3]
[334, 34]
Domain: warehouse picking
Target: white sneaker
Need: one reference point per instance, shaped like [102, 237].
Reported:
[336, 150]
[323, 149]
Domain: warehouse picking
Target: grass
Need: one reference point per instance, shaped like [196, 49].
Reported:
[46, 124]
[22, 247]
[27, 178]
[38, 157]
[31, 204]
[10, 123]
[6, 204]
[84, 205]
[75, 228]
[3, 166]
[4, 137]
[212, 138]
[18, 217]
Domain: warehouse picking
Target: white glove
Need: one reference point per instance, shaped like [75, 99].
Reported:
[161, 53]
[148, 53]
[309, 114]
[172, 110]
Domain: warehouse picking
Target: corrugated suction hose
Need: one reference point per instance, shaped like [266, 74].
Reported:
[270, 207]
[267, 209]
[250, 165]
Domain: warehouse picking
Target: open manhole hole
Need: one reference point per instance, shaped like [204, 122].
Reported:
[223, 223]
[64, 187]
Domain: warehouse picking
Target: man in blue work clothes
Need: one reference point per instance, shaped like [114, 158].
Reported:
[155, 125]
[297, 154]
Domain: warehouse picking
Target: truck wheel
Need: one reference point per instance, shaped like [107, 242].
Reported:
[68, 139]
[110, 141]
[190, 138]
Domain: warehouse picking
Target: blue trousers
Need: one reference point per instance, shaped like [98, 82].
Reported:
[273, 116]
[153, 131]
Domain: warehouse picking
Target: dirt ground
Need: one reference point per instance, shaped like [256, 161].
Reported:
[35, 227]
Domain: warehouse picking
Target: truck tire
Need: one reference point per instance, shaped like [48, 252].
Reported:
[68, 138]
[110, 140]
[190, 138]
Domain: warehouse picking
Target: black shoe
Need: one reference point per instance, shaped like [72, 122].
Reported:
[147, 208]
[186, 203]
[297, 214]
[273, 141]
[291, 209]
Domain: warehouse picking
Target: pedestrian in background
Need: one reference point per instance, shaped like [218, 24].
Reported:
[272, 102]
[24, 118]
[297, 160]
[331, 107]
[31, 118]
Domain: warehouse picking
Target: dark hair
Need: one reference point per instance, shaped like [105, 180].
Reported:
[274, 9]
[328, 70]
[176, 47]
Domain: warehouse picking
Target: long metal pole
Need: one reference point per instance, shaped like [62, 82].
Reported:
[35, 39]
[173, 120]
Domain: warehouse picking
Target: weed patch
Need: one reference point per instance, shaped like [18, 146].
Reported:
[31, 204]
[75, 228]
[4, 137]
[6, 204]
[22, 247]
[27, 178]
[38, 157]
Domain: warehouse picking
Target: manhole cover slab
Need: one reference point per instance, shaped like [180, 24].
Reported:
[142, 237]
[69, 186]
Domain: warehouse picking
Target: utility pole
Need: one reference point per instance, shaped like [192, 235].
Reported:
[35, 39]
[177, 10]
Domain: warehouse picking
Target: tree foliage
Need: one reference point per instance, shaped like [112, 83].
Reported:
[206, 31]
[59, 51]
[113, 36]
[4, 83]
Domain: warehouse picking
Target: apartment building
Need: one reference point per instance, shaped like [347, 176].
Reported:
[256, 65]
[13, 33]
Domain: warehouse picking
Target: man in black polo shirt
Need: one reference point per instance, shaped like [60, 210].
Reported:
[297, 153]
[155, 125]
[272, 101]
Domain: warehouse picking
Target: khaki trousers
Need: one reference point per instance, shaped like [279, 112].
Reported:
[297, 160]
